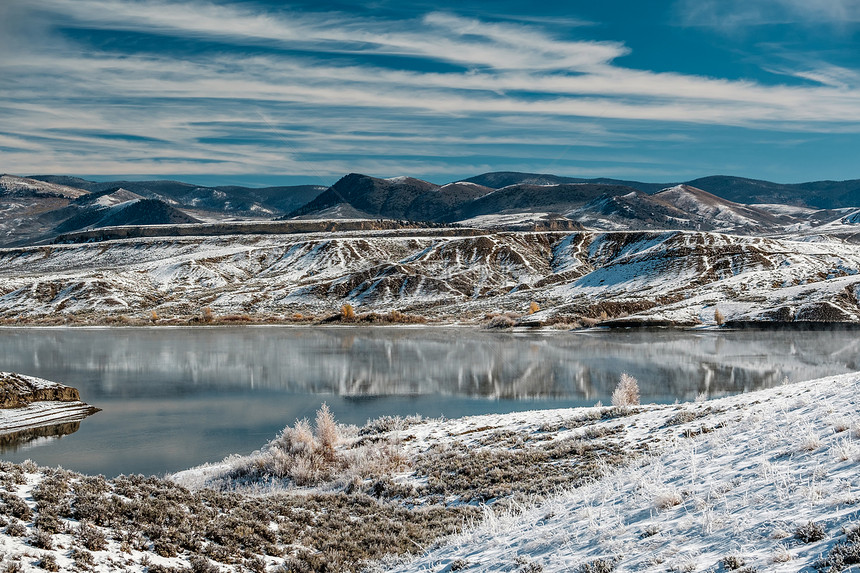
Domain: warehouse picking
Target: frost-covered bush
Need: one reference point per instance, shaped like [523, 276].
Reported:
[626, 393]
[667, 499]
[810, 532]
[327, 432]
[308, 455]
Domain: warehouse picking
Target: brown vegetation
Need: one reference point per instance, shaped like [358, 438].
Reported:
[347, 312]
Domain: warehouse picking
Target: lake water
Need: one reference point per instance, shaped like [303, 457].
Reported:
[176, 397]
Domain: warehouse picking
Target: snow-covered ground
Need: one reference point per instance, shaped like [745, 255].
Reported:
[746, 483]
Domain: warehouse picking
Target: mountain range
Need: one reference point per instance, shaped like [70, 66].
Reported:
[41, 207]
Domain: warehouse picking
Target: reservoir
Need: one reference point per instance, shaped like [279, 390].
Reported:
[172, 398]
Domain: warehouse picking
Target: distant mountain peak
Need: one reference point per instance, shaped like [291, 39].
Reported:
[14, 184]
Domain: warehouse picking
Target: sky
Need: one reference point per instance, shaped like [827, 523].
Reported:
[255, 92]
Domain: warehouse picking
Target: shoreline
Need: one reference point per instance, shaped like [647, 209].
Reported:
[609, 326]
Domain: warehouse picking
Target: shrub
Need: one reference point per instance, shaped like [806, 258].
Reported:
[153, 316]
[82, 558]
[49, 563]
[17, 506]
[597, 566]
[91, 537]
[842, 554]
[347, 312]
[810, 532]
[164, 548]
[501, 321]
[16, 529]
[626, 393]
[203, 565]
[304, 455]
[42, 539]
[732, 562]
[719, 317]
[398, 317]
[208, 316]
[682, 417]
[327, 431]
[533, 307]
[255, 564]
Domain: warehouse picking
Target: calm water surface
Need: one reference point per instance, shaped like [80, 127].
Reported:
[176, 397]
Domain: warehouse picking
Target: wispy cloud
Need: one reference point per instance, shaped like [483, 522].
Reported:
[728, 15]
[514, 90]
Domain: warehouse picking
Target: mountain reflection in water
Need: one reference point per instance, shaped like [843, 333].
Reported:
[173, 397]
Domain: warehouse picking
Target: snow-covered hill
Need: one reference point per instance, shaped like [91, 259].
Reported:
[454, 275]
[759, 482]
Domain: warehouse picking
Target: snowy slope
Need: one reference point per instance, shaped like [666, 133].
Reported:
[459, 275]
[740, 477]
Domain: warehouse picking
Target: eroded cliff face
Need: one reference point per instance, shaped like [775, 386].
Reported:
[17, 390]
[672, 277]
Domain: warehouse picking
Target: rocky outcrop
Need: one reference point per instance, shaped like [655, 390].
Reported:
[17, 390]
[33, 408]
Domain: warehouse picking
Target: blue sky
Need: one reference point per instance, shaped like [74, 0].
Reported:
[275, 93]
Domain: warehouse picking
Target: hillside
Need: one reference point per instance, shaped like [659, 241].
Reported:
[644, 277]
[30, 208]
[756, 482]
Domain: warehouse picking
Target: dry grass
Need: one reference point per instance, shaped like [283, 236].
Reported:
[781, 555]
[501, 321]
